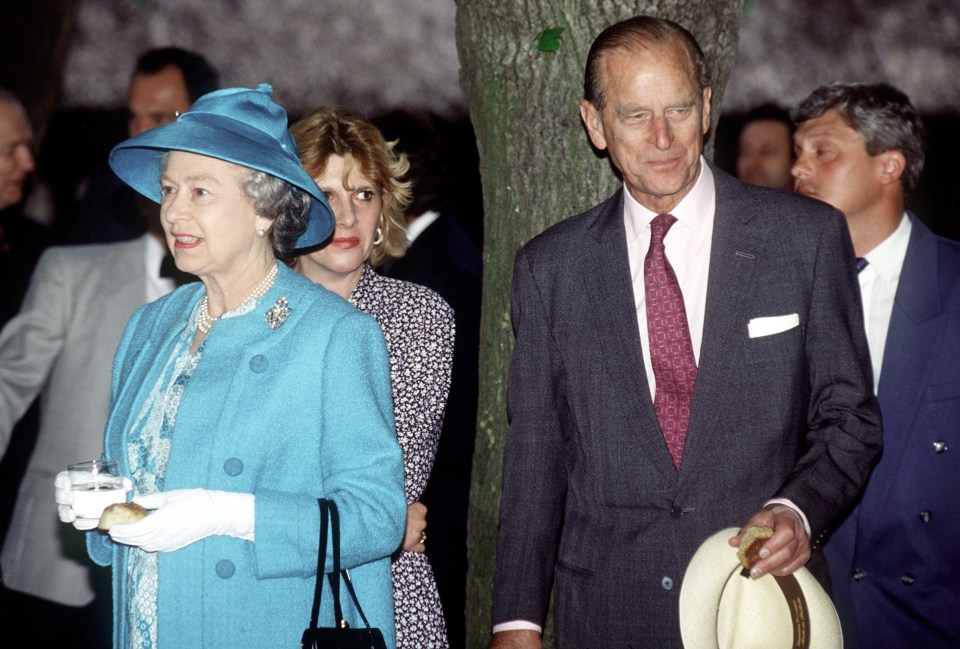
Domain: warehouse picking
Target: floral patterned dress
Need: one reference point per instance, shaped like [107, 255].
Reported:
[418, 326]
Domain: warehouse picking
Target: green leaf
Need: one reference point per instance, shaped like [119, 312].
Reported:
[549, 39]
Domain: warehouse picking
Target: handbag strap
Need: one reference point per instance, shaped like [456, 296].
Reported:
[353, 595]
[334, 582]
[334, 576]
[321, 560]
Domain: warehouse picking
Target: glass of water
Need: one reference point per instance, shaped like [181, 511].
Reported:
[95, 484]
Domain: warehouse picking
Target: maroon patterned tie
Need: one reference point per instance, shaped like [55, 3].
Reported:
[671, 352]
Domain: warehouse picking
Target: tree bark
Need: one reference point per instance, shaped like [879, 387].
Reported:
[537, 168]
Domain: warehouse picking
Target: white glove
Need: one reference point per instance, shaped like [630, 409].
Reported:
[65, 496]
[184, 516]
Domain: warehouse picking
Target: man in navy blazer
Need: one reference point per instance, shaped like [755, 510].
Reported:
[894, 561]
[783, 426]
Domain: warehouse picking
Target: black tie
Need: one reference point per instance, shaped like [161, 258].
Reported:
[168, 268]
[861, 263]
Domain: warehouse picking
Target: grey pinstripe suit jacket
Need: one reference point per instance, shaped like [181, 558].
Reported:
[591, 502]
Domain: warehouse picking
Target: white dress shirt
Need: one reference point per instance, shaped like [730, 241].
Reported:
[421, 223]
[878, 287]
[153, 255]
[687, 246]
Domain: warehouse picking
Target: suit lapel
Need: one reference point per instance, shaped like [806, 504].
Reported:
[912, 340]
[609, 290]
[735, 252]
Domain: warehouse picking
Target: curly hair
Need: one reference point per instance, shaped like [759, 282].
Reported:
[331, 131]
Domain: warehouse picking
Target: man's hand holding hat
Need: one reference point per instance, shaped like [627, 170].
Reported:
[787, 550]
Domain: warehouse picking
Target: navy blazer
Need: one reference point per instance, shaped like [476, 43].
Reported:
[894, 560]
[591, 501]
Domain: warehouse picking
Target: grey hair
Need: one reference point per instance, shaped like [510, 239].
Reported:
[275, 199]
[881, 114]
[287, 206]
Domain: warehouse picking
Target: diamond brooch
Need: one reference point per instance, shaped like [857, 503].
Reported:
[277, 314]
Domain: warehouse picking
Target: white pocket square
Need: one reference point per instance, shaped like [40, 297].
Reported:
[758, 327]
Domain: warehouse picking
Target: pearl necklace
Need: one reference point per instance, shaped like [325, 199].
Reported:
[205, 322]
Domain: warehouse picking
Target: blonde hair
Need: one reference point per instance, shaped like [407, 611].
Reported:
[328, 131]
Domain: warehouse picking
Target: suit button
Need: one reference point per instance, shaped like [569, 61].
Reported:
[926, 515]
[233, 467]
[259, 363]
[858, 574]
[225, 569]
[666, 583]
[940, 446]
[907, 579]
[676, 511]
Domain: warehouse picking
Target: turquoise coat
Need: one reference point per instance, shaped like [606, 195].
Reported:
[289, 415]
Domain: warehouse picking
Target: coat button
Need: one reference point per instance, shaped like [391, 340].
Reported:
[233, 467]
[666, 583]
[225, 569]
[858, 574]
[676, 511]
[907, 579]
[259, 363]
[940, 446]
[926, 515]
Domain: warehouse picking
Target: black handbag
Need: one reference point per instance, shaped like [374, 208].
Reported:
[340, 636]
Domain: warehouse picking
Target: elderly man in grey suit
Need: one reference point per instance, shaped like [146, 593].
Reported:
[62, 343]
[689, 356]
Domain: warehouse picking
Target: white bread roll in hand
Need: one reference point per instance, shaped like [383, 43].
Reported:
[121, 514]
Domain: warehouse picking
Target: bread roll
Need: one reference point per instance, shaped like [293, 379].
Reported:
[121, 514]
[753, 538]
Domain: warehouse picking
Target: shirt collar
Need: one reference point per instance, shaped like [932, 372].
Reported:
[695, 210]
[421, 223]
[887, 258]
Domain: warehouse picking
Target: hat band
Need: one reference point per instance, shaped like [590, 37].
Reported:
[799, 613]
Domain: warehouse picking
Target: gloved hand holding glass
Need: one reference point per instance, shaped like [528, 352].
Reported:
[85, 489]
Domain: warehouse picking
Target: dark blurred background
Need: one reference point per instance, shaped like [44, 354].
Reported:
[70, 61]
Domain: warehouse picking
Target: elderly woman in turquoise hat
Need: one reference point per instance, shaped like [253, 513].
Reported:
[241, 399]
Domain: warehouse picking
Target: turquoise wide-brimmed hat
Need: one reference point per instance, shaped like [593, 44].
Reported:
[240, 125]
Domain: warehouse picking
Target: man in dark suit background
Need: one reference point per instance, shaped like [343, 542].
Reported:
[765, 147]
[165, 82]
[442, 256]
[893, 561]
[689, 356]
[22, 241]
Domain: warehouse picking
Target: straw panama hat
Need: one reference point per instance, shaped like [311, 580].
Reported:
[720, 609]
[240, 125]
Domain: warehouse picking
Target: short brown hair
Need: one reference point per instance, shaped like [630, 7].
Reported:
[328, 131]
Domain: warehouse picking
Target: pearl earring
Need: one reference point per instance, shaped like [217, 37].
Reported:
[261, 232]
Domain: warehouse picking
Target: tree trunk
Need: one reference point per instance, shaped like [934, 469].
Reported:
[537, 168]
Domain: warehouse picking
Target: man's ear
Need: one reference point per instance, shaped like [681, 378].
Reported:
[591, 119]
[892, 166]
[707, 97]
